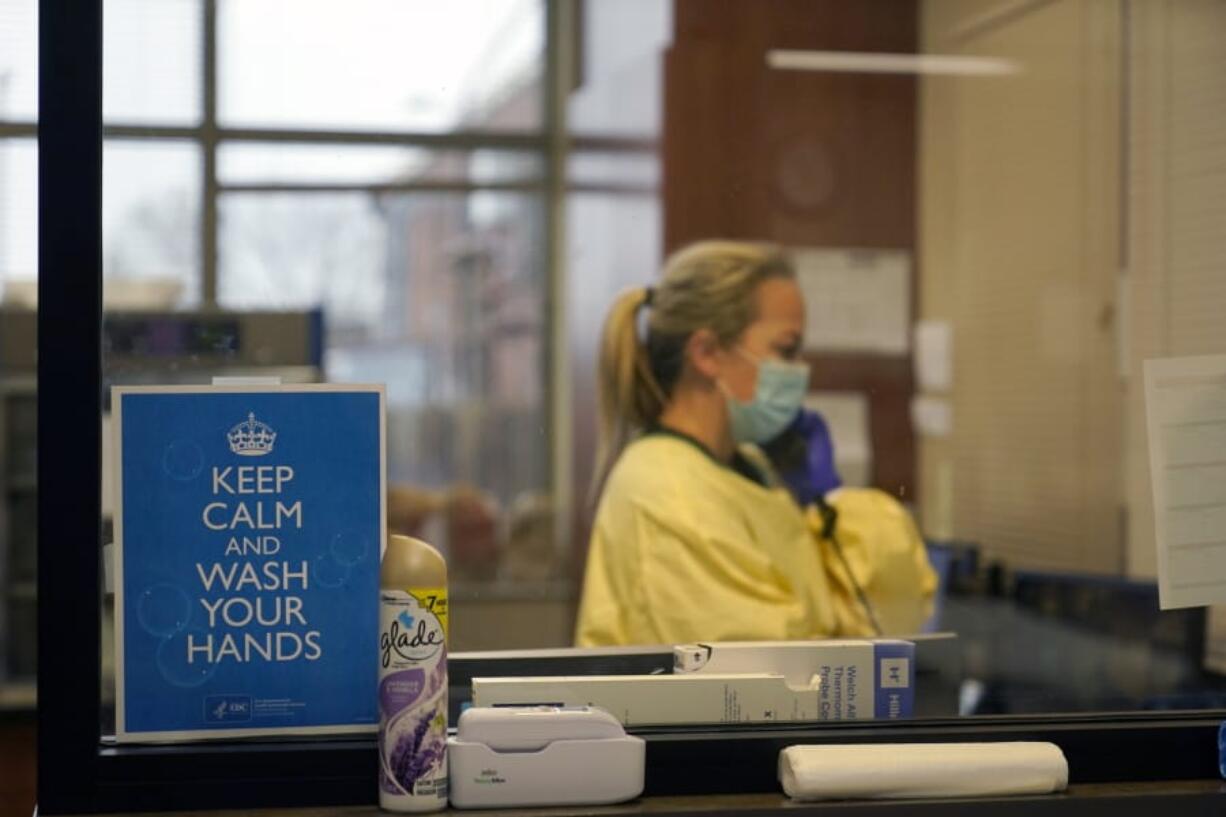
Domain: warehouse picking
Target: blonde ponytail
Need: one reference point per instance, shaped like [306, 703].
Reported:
[710, 285]
[629, 396]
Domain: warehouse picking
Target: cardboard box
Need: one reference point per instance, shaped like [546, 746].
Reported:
[858, 679]
[649, 700]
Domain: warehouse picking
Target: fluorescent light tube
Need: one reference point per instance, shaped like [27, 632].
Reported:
[869, 63]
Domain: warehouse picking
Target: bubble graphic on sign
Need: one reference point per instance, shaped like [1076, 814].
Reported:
[183, 669]
[349, 547]
[183, 460]
[328, 571]
[163, 610]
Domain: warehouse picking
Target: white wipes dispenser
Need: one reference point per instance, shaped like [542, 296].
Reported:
[543, 756]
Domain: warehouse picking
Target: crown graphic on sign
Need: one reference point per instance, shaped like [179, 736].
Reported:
[251, 438]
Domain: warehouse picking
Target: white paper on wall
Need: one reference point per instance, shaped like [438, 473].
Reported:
[846, 414]
[1185, 404]
[932, 416]
[856, 300]
[934, 356]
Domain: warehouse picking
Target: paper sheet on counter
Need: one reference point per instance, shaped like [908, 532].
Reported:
[1185, 401]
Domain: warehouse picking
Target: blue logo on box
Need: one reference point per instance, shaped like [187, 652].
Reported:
[227, 708]
[894, 693]
[895, 673]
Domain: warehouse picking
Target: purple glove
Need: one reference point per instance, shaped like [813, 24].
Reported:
[812, 475]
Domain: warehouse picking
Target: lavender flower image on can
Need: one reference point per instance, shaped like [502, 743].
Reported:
[412, 701]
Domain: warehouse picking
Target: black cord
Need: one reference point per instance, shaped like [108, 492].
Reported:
[829, 521]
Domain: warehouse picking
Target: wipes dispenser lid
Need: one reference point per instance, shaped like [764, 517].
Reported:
[543, 756]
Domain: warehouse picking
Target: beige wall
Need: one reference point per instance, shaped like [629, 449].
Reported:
[1019, 251]
[1071, 226]
[1176, 282]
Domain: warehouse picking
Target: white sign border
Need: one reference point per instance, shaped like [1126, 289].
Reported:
[122, 734]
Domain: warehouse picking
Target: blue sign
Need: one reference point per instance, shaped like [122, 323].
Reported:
[248, 526]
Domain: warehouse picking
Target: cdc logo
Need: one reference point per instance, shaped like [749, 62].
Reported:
[227, 708]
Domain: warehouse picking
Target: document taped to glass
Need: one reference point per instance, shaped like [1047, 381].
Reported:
[1185, 402]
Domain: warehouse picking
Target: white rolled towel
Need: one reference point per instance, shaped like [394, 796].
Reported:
[881, 770]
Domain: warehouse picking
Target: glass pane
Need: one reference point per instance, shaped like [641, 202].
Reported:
[1041, 214]
[615, 240]
[289, 251]
[18, 462]
[381, 65]
[18, 60]
[1045, 189]
[995, 244]
[151, 62]
[279, 163]
[150, 223]
[635, 170]
[18, 407]
[621, 92]
[18, 219]
[440, 297]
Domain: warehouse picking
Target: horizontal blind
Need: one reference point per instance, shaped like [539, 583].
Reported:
[1022, 265]
[1177, 205]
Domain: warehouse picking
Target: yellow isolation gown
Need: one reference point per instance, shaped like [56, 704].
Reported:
[685, 548]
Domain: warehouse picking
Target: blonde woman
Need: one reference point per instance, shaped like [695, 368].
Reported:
[697, 534]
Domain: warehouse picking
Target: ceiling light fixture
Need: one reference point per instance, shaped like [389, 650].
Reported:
[869, 63]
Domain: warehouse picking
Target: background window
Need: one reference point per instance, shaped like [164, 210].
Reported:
[18, 60]
[18, 218]
[151, 222]
[151, 62]
[380, 65]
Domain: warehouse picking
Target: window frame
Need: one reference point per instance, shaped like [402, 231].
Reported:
[77, 773]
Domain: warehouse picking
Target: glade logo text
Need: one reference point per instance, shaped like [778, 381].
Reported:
[409, 642]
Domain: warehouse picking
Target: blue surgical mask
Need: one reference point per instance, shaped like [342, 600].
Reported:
[776, 402]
